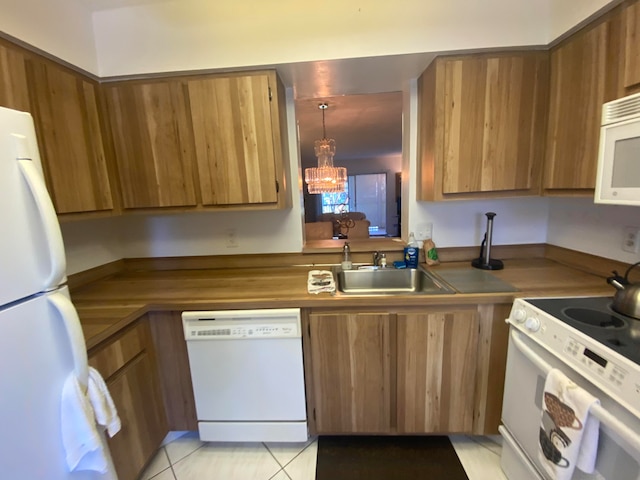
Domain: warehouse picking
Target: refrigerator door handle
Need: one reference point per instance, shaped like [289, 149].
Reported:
[46, 212]
[69, 316]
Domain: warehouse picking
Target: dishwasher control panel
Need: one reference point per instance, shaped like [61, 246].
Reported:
[211, 332]
[241, 324]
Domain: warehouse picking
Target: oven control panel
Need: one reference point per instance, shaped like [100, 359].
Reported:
[605, 369]
[611, 372]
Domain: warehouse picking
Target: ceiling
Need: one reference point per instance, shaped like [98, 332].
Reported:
[364, 96]
[363, 126]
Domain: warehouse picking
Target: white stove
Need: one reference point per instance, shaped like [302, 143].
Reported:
[595, 347]
[589, 336]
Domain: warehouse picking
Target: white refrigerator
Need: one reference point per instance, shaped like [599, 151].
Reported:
[41, 341]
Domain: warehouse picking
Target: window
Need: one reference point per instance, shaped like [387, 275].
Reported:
[336, 202]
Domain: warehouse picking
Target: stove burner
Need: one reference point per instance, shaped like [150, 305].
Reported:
[615, 342]
[594, 318]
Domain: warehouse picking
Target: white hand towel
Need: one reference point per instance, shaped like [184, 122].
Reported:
[568, 434]
[103, 407]
[320, 281]
[80, 436]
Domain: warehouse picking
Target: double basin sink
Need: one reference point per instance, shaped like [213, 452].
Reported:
[387, 281]
[417, 281]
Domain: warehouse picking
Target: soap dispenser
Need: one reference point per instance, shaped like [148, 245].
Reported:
[411, 252]
[346, 257]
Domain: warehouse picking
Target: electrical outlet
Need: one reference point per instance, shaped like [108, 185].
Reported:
[232, 238]
[424, 231]
[631, 239]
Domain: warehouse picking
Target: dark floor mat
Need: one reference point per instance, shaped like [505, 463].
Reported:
[386, 458]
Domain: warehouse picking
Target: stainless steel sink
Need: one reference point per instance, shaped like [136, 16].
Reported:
[388, 281]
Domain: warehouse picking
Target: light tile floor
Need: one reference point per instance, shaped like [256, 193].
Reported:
[184, 457]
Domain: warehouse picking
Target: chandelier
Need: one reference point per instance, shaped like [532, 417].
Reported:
[325, 178]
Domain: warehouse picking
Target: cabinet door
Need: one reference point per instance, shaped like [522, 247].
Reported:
[129, 367]
[437, 355]
[153, 143]
[234, 137]
[578, 90]
[482, 125]
[493, 122]
[14, 92]
[137, 398]
[67, 122]
[351, 362]
[631, 18]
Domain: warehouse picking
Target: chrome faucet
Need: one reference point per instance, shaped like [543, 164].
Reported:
[377, 259]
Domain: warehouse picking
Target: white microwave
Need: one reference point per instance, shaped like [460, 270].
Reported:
[618, 178]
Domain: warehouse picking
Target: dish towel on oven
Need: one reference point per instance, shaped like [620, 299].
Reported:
[568, 434]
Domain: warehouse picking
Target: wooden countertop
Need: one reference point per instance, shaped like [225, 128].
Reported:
[106, 306]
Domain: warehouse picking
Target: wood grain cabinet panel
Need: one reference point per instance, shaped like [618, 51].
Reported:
[431, 370]
[351, 355]
[237, 149]
[65, 110]
[437, 359]
[153, 140]
[128, 364]
[14, 91]
[577, 92]
[631, 19]
[482, 125]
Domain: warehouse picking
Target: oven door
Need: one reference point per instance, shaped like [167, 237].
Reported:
[527, 366]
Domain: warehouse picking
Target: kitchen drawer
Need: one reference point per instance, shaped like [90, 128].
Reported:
[117, 353]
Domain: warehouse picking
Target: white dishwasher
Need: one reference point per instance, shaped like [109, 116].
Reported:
[247, 374]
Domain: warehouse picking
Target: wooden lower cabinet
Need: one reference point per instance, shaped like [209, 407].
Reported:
[351, 372]
[436, 366]
[128, 365]
[428, 370]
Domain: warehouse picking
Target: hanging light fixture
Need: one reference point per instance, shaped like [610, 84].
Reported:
[325, 178]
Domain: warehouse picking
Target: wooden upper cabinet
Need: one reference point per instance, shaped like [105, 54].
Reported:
[153, 142]
[237, 138]
[65, 110]
[631, 26]
[482, 124]
[577, 91]
[351, 361]
[14, 91]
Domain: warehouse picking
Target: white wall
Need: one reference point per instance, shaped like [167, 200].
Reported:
[581, 225]
[195, 34]
[62, 28]
[565, 14]
[90, 243]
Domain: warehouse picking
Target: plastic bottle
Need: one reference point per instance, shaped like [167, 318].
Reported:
[346, 257]
[411, 252]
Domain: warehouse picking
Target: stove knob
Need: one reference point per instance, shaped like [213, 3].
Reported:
[532, 324]
[519, 315]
